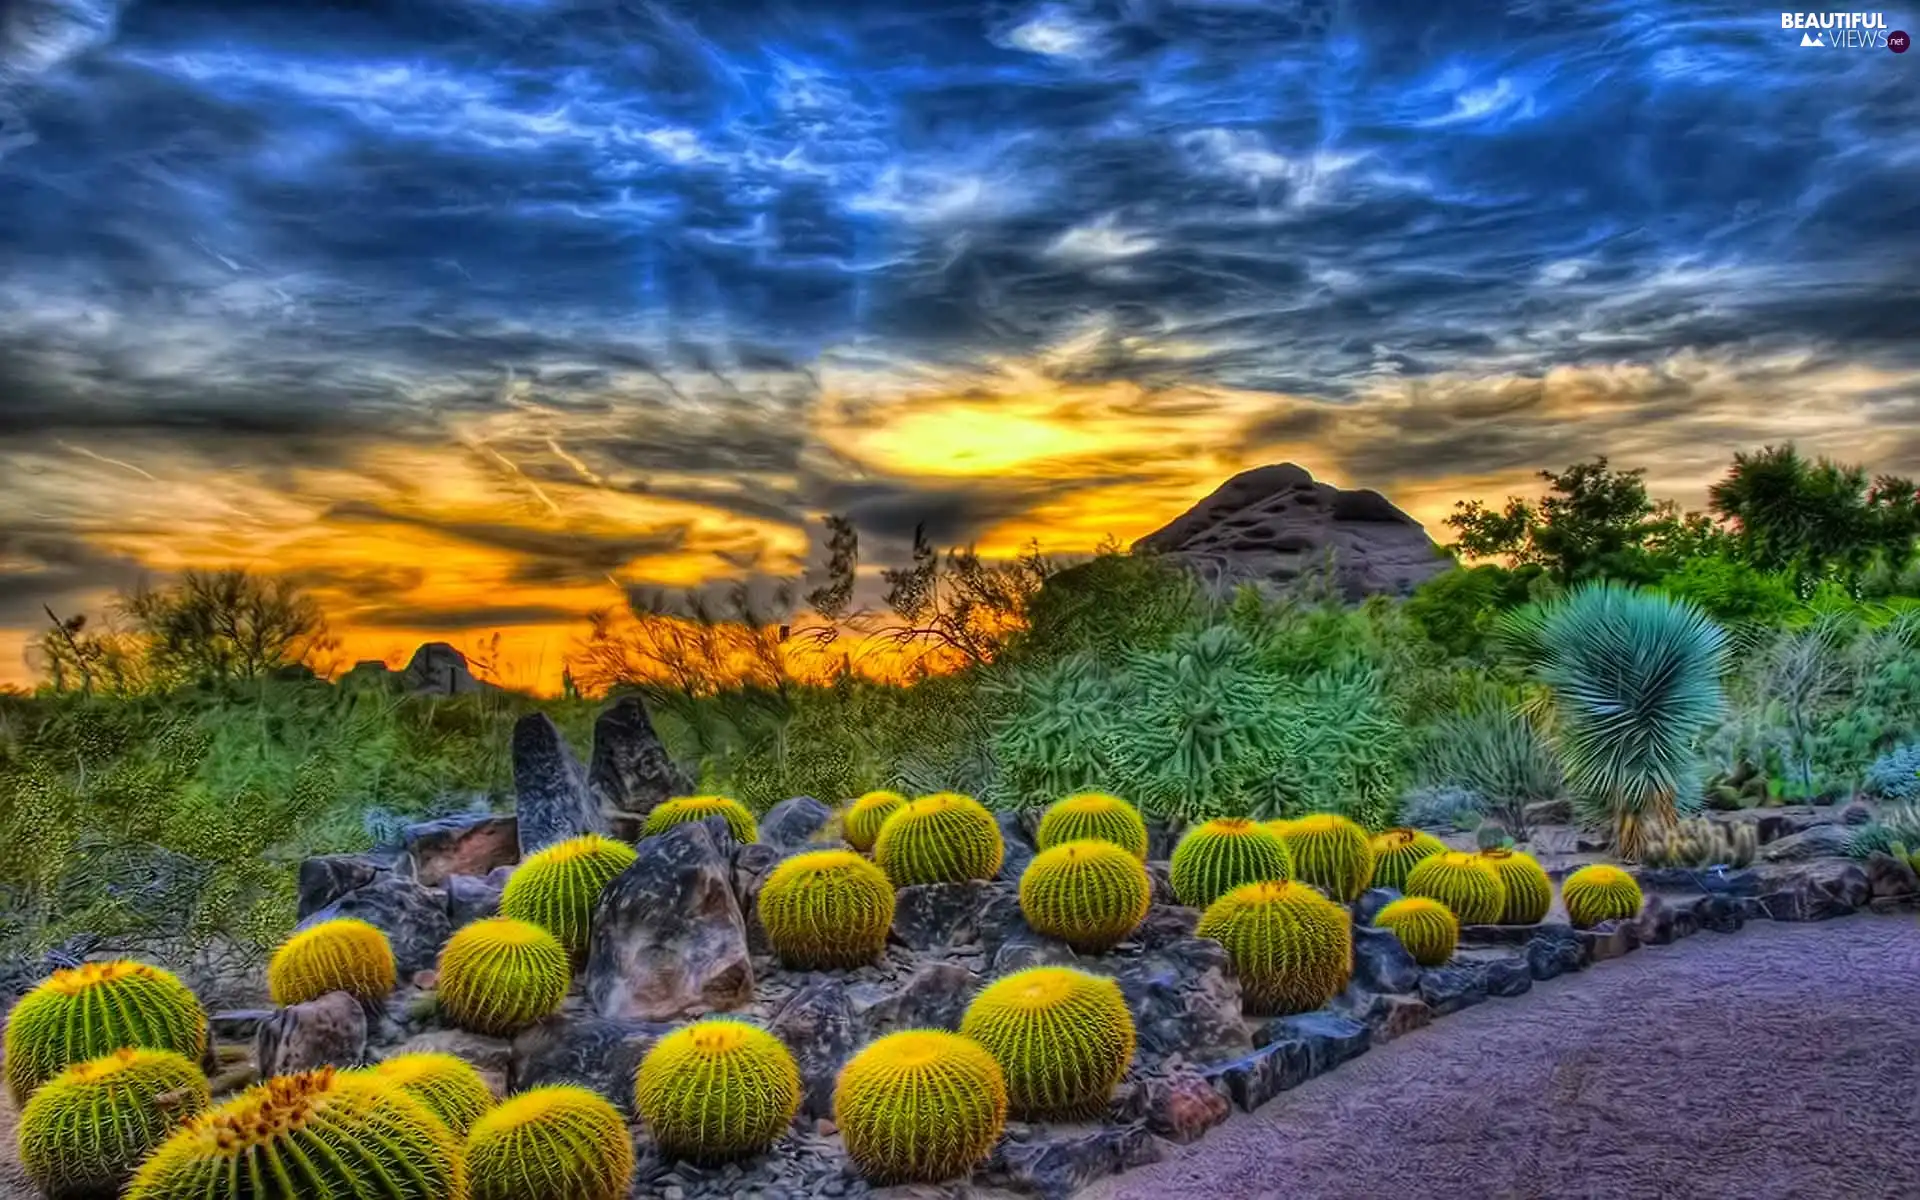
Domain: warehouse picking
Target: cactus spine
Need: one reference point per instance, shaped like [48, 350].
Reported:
[717, 1090]
[1093, 815]
[865, 816]
[942, 838]
[1397, 851]
[1223, 854]
[1600, 893]
[1427, 928]
[447, 1085]
[95, 1009]
[1291, 946]
[1465, 883]
[682, 809]
[1698, 842]
[556, 888]
[1063, 1039]
[1090, 894]
[86, 1129]
[1529, 891]
[1331, 853]
[551, 1143]
[344, 955]
[499, 976]
[826, 909]
[921, 1106]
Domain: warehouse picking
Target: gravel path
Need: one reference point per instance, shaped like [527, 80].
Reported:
[1778, 1062]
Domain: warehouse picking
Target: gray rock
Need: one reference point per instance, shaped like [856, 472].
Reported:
[1743, 882]
[1508, 975]
[1183, 995]
[1452, 988]
[469, 844]
[1330, 1037]
[1381, 963]
[935, 996]
[551, 798]
[584, 1050]
[1889, 878]
[1818, 841]
[1371, 901]
[1055, 1162]
[1556, 953]
[668, 938]
[413, 917]
[1610, 939]
[328, 1032]
[816, 1023]
[238, 1025]
[631, 770]
[939, 916]
[1161, 839]
[1019, 846]
[1031, 950]
[1182, 1105]
[471, 899]
[437, 669]
[1161, 876]
[792, 824]
[752, 863]
[327, 877]
[1387, 1016]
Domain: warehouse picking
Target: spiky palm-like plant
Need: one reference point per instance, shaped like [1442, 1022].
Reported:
[1635, 677]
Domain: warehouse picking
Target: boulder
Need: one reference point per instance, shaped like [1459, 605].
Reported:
[792, 824]
[584, 1050]
[1181, 1106]
[817, 1025]
[1817, 841]
[934, 996]
[437, 669]
[939, 916]
[752, 863]
[1556, 953]
[1019, 845]
[240, 1024]
[1183, 995]
[1890, 878]
[1030, 949]
[1369, 904]
[668, 938]
[470, 898]
[551, 798]
[1330, 1037]
[1381, 963]
[469, 844]
[1055, 1162]
[1610, 939]
[327, 877]
[413, 917]
[328, 1032]
[1451, 988]
[1275, 525]
[1387, 1016]
[630, 770]
[1507, 975]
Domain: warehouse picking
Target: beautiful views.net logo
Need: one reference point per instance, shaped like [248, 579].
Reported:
[1846, 31]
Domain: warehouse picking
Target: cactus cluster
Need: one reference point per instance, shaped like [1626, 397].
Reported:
[342, 955]
[717, 1090]
[1427, 928]
[682, 809]
[1698, 842]
[1529, 893]
[500, 975]
[1091, 894]
[942, 838]
[1465, 883]
[551, 1143]
[557, 888]
[862, 821]
[1397, 852]
[446, 1084]
[826, 909]
[1329, 852]
[94, 1009]
[85, 1130]
[1093, 815]
[1063, 1039]
[922, 1106]
[322, 1135]
[1291, 946]
[1600, 893]
[1223, 854]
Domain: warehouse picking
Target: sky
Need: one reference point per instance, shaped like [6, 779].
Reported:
[473, 316]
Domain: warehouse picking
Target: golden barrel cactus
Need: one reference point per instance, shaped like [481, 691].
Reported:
[1063, 1039]
[1465, 883]
[826, 909]
[1600, 893]
[1397, 851]
[557, 887]
[942, 838]
[1223, 854]
[1291, 947]
[1331, 853]
[499, 976]
[86, 1129]
[343, 955]
[1427, 928]
[1091, 894]
[551, 1143]
[448, 1085]
[1093, 815]
[862, 821]
[1529, 891]
[923, 1106]
[717, 1090]
[94, 1009]
[682, 809]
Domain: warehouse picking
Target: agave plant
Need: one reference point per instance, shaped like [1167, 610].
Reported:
[1635, 678]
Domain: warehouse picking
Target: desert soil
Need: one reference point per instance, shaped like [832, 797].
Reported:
[1780, 1061]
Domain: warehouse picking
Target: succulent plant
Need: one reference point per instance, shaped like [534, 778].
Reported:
[84, 1131]
[921, 1106]
[500, 975]
[1600, 893]
[1427, 928]
[1093, 815]
[1091, 894]
[1063, 1039]
[1465, 883]
[557, 887]
[717, 1090]
[1398, 851]
[1223, 854]
[551, 1143]
[864, 817]
[826, 909]
[1331, 853]
[343, 955]
[1698, 842]
[942, 838]
[682, 809]
[1291, 946]
[94, 1009]
[447, 1084]
[322, 1135]
[1528, 890]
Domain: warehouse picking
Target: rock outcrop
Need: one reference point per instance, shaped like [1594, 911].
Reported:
[1276, 525]
[551, 797]
[669, 940]
[630, 771]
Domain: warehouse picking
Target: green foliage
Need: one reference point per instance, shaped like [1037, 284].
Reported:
[324, 1135]
[333, 956]
[1427, 928]
[86, 1129]
[1093, 815]
[1466, 883]
[1223, 854]
[920, 1106]
[1528, 890]
[1459, 610]
[551, 1143]
[1595, 522]
[1600, 893]
[1090, 894]
[683, 809]
[498, 976]
[446, 1084]
[1493, 751]
[1895, 828]
[942, 838]
[1063, 1040]
[556, 888]
[717, 1090]
[1106, 607]
[93, 1010]
[1733, 592]
[1331, 853]
[826, 909]
[1397, 851]
[864, 817]
[1291, 947]
[1815, 519]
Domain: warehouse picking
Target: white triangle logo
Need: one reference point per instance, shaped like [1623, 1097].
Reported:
[1807, 39]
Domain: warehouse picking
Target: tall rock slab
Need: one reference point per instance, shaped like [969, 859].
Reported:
[669, 940]
[551, 798]
[631, 770]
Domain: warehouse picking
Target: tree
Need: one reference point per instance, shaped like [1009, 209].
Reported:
[960, 607]
[225, 625]
[1594, 522]
[1816, 519]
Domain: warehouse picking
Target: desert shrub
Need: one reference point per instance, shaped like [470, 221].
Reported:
[1442, 806]
[1497, 753]
[1895, 775]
